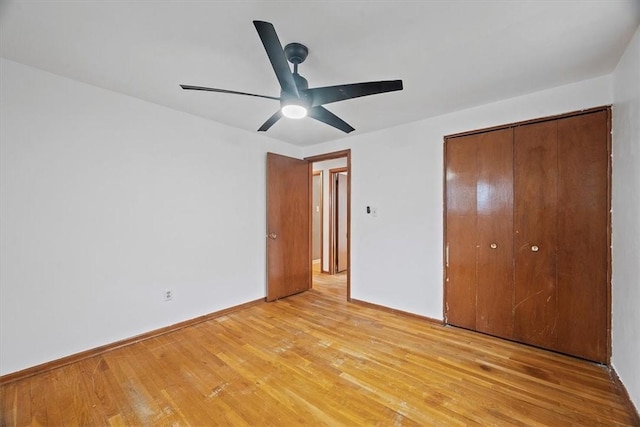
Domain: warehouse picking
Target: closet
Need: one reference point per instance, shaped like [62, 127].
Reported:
[527, 232]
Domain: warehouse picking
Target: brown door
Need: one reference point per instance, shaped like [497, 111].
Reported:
[288, 226]
[341, 222]
[536, 205]
[494, 189]
[528, 257]
[461, 235]
[583, 243]
[479, 224]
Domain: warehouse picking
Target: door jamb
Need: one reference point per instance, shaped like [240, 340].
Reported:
[313, 174]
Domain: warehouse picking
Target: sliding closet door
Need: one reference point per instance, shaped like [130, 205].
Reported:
[494, 189]
[535, 234]
[460, 216]
[583, 219]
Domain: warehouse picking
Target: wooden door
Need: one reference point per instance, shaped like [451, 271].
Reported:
[341, 222]
[461, 234]
[288, 226]
[479, 227]
[583, 236]
[536, 206]
[494, 189]
[545, 266]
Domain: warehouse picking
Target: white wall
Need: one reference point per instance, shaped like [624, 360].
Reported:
[626, 219]
[325, 166]
[396, 257]
[107, 201]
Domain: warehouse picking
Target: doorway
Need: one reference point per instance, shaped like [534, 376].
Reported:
[289, 223]
[335, 206]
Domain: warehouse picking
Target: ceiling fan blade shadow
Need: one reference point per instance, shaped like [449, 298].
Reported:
[278, 60]
[329, 94]
[211, 89]
[325, 116]
[270, 121]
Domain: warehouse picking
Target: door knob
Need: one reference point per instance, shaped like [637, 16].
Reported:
[534, 248]
[493, 246]
[273, 236]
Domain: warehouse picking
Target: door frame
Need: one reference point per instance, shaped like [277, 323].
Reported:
[333, 215]
[330, 156]
[321, 237]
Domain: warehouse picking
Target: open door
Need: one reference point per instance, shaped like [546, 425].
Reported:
[288, 225]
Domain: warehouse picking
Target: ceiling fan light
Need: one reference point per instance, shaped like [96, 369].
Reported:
[294, 111]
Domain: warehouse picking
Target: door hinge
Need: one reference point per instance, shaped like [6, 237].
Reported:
[446, 256]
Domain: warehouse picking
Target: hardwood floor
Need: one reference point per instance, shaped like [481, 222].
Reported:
[314, 359]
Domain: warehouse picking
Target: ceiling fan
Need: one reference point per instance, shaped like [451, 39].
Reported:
[297, 100]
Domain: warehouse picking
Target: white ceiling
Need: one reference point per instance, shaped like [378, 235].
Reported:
[450, 55]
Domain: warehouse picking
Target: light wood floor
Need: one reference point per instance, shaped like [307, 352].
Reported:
[314, 359]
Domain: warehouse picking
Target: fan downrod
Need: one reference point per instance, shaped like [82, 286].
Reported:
[296, 53]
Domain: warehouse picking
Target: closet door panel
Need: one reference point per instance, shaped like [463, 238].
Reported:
[461, 177]
[583, 231]
[535, 234]
[461, 273]
[527, 214]
[495, 233]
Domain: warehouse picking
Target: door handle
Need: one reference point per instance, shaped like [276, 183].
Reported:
[273, 236]
[534, 248]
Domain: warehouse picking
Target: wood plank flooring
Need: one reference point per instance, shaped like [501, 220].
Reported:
[314, 359]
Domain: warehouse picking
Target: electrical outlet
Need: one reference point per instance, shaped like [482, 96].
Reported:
[168, 295]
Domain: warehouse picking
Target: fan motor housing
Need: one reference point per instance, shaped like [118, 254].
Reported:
[296, 53]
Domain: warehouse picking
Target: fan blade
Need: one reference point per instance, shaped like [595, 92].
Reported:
[323, 115]
[271, 121]
[276, 56]
[329, 94]
[210, 89]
